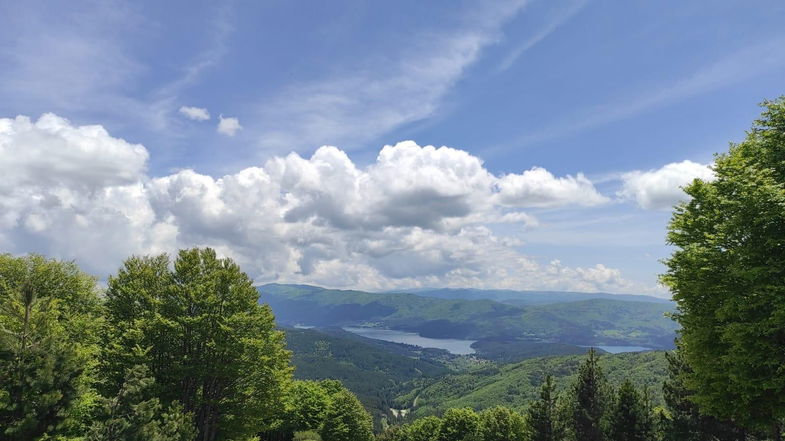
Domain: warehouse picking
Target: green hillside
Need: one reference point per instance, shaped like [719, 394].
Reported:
[515, 385]
[587, 322]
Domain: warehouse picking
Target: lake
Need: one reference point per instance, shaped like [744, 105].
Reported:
[451, 345]
[620, 349]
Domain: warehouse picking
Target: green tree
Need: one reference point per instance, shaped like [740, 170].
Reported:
[501, 424]
[133, 415]
[590, 401]
[726, 275]
[422, 429]
[49, 312]
[459, 425]
[684, 422]
[208, 342]
[541, 414]
[631, 418]
[307, 405]
[346, 419]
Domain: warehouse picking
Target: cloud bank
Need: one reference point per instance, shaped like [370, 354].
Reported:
[417, 216]
[661, 189]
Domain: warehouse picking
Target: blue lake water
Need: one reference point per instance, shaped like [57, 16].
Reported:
[620, 349]
[453, 346]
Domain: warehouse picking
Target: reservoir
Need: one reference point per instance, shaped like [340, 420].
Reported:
[451, 345]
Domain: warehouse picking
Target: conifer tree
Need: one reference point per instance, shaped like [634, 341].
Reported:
[541, 415]
[133, 415]
[49, 314]
[346, 419]
[590, 401]
[631, 418]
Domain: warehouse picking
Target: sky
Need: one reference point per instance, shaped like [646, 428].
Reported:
[521, 144]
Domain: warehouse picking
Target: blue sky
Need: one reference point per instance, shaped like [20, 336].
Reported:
[608, 99]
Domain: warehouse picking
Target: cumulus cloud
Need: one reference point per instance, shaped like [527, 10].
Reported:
[195, 113]
[228, 126]
[661, 189]
[539, 188]
[417, 216]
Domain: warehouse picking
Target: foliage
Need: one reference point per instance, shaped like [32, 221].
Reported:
[346, 419]
[516, 385]
[459, 425]
[683, 421]
[726, 275]
[133, 415]
[308, 435]
[48, 315]
[208, 342]
[306, 405]
[631, 418]
[501, 424]
[541, 414]
[591, 400]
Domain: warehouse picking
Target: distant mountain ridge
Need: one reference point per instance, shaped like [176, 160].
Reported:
[526, 297]
[588, 321]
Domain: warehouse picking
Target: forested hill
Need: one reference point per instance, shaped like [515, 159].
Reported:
[521, 298]
[595, 321]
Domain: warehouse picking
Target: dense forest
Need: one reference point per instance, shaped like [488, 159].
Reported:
[184, 348]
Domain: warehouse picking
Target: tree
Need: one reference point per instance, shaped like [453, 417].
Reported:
[346, 419]
[423, 429]
[541, 415]
[208, 343]
[632, 417]
[590, 400]
[133, 415]
[501, 424]
[307, 405]
[48, 316]
[684, 421]
[459, 425]
[726, 275]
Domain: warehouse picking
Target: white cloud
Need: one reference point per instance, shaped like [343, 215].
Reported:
[539, 188]
[228, 126]
[195, 113]
[661, 189]
[417, 216]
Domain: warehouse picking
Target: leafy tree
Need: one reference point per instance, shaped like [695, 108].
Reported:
[346, 419]
[48, 316]
[632, 417]
[726, 276]
[683, 421]
[208, 342]
[541, 414]
[133, 415]
[459, 425]
[501, 424]
[308, 403]
[423, 429]
[590, 401]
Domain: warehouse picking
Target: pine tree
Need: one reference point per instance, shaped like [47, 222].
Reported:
[631, 418]
[346, 419]
[541, 415]
[49, 314]
[590, 395]
[133, 415]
